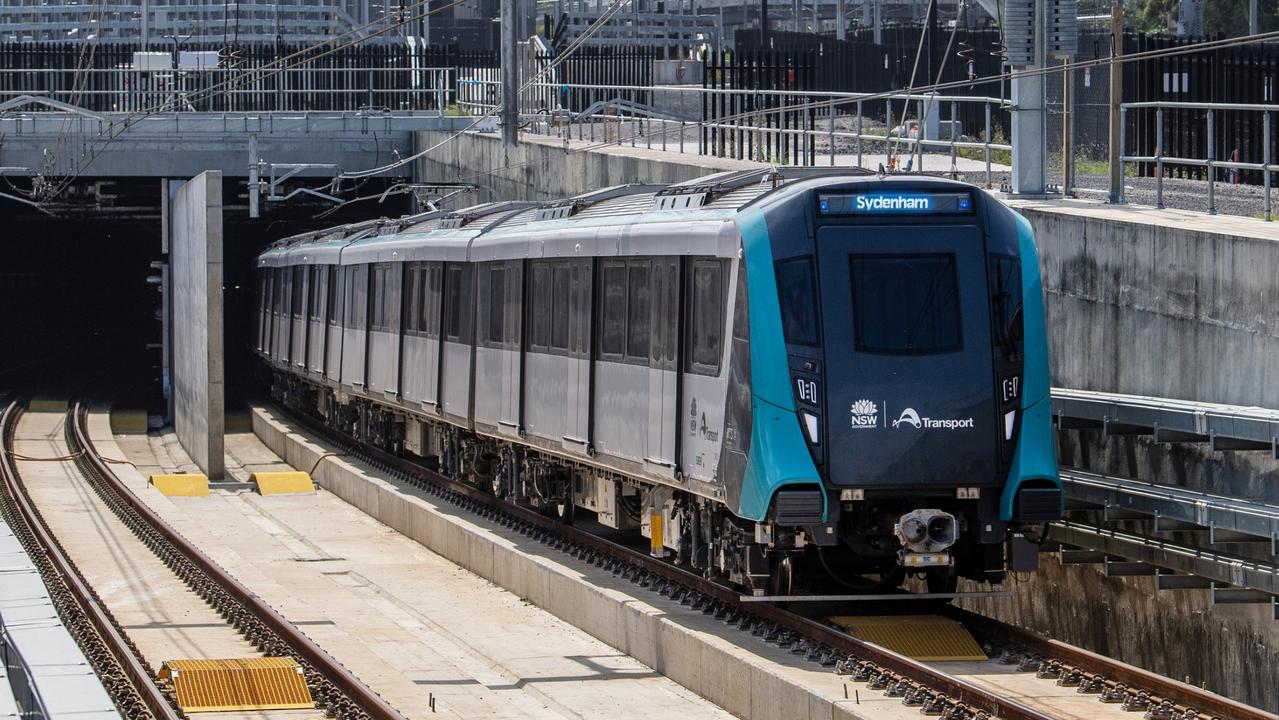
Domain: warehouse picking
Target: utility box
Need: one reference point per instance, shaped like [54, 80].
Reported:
[152, 62]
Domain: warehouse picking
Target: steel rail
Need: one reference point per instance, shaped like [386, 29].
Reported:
[136, 672]
[925, 678]
[306, 650]
[1185, 697]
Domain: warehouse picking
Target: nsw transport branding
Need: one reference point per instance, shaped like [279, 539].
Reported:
[864, 415]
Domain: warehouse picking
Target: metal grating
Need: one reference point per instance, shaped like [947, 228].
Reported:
[739, 197]
[268, 683]
[921, 637]
[625, 205]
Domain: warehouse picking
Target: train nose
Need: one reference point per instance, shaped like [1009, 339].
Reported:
[926, 531]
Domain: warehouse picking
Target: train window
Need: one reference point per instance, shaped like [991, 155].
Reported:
[495, 326]
[797, 291]
[335, 295]
[277, 305]
[706, 317]
[560, 290]
[430, 323]
[457, 291]
[613, 327]
[315, 293]
[299, 289]
[905, 304]
[380, 298]
[580, 310]
[357, 289]
[413, 291]
[539, 308]
[637, 309]
[1005, 290]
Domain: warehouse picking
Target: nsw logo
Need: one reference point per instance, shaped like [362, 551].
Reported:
[910, 417]
[863, 414]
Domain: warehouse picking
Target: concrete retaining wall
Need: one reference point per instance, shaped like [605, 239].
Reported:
[756, 682]
[195, 259]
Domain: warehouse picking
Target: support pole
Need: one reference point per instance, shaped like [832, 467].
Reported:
[841, 22]
[1116, 100]
[763, 24]
[510, 115]
[1067, 138]
[1029, 118]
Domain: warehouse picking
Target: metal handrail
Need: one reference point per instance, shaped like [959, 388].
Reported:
[477, 95]
[1211, 163]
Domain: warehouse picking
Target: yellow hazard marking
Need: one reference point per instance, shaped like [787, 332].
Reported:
[268, 683]
[129, 422]
[922, 637]
[282, 483]
[181, 485]
[655, 533]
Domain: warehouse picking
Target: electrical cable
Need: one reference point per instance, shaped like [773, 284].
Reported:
[606, 16]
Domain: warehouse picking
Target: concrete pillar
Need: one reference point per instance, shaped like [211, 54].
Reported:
[1030, 120]
[195, 259]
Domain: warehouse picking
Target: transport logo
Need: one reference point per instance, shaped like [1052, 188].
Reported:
[909, 416]
[864, 414]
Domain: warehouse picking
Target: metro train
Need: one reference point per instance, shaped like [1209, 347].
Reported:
[785, 379]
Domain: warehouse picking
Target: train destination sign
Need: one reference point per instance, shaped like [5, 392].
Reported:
[895, 203]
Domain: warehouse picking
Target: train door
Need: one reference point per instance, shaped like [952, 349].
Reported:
[663, 309]
[333, 336]
[317, 305]
[298, 312]
[577, 407]
[355, 326]
[908, 362]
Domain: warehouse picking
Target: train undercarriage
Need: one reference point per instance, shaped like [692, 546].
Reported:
[693, 532]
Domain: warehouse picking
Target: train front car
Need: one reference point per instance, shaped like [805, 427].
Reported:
[899, 385]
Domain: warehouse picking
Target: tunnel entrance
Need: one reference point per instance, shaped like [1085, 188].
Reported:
[81, 305]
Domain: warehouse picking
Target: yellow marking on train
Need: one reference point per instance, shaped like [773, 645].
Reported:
[655, 544]
[921, 637]
[268, 683]
[181, 484]
[283, 483]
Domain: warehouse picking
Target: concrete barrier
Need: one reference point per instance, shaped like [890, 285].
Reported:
[749, 678]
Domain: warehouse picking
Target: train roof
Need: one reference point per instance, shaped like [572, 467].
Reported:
[690, 217]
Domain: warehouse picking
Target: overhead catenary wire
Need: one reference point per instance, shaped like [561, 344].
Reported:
[604, 18]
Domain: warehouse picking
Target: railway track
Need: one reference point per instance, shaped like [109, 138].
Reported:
[117, 661]
[929, 688]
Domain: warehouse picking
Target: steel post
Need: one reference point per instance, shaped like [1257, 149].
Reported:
[986, 150]
[1067, 144]
[830, 133]
[1212, 171]
[1116, 102]
[1159, 158]
[510, 113]
[859, 133]
[1265, 162]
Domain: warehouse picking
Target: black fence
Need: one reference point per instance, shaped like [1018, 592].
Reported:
[858, 65]
[1244, 75]
[760, 125]
[611, 66]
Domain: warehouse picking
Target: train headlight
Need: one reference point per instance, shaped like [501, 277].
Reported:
[810, 426]
[1010, 421]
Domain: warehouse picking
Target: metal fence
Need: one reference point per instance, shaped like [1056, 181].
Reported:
[114, 78]
[1209, 166]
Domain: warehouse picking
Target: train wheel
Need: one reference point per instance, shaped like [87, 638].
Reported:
[781, 576]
